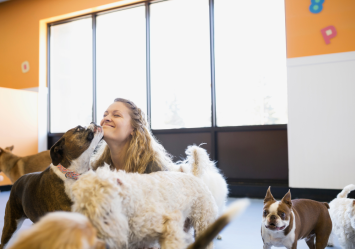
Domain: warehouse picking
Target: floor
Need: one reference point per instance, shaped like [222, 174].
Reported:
[243, 232]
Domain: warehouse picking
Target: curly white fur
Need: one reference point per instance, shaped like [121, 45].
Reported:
[199, 164]
[137, 210]
[342, 213]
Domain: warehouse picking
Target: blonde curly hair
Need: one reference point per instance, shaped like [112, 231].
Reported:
[143, 148]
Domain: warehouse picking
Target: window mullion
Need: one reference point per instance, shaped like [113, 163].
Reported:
[213, 84]
[48, 78]
[94, 67]
[147, 18]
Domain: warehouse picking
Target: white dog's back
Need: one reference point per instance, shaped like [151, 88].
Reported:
[144, 205]
[342, 213]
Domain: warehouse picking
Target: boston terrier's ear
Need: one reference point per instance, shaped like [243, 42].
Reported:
[287, 199]
[9, 148]
[57, 151]
[269, 196]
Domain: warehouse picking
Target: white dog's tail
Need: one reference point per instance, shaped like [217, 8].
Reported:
[346, 191]
[211, 232]
[199, 160]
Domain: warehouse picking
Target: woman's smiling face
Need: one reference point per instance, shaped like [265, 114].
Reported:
[116, 123]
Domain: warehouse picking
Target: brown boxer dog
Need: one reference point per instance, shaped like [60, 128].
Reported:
[287, 221]
[33, 195]
[15, 166]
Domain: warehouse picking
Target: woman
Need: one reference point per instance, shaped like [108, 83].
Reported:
[130, 145]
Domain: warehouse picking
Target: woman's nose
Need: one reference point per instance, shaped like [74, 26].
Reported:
[105, 119]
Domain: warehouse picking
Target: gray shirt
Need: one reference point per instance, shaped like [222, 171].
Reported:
[152, 167]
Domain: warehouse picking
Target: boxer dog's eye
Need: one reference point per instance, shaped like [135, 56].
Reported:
[90, 136]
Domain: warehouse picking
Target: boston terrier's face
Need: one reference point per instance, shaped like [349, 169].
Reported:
[276, 214]
[76, 143]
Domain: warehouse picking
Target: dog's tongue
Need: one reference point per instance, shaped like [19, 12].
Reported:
[274, 227]
[279, 228]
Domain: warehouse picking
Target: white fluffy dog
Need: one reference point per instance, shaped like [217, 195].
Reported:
[342, 213]
[132, 210]
[198, 163]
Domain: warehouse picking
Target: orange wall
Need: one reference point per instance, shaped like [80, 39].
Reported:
[18, 119]
[303, 28]
[19, 32]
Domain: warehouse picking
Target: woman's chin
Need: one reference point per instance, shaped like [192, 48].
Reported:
[107, 135]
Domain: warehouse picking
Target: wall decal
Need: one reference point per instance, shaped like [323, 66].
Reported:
[316, 6]
[328, 33]
[25, 66]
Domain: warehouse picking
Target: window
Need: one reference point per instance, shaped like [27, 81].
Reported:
[121, 58]
[70, 75]
[180, 64]
[250, 62]
[245, 64]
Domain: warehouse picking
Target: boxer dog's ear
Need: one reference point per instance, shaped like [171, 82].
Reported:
[269, 196]
[9, 148]
[57, 151]
[287, 199]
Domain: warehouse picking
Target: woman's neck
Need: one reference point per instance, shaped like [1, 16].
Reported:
[118, 153]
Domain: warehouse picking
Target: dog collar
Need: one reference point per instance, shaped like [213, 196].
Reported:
[68, 174]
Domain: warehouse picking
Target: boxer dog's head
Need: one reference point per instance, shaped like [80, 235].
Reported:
[74, 149]
[277, 214]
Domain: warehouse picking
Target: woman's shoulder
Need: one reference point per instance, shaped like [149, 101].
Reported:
[153, 167]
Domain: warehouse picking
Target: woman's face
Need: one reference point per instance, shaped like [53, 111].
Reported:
[116, 123]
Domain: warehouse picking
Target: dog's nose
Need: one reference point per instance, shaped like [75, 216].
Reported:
[272, 217]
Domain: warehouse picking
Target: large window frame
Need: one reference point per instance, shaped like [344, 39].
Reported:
[213, 130]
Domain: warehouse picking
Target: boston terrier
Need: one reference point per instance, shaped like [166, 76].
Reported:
[287, 221]
[33, 195]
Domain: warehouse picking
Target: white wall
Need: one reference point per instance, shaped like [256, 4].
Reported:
[18, 122]
[321, 128]
[42, 118]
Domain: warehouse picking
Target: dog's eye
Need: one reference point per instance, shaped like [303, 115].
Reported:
[90, 136]
[265, 212]
[282, 215]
